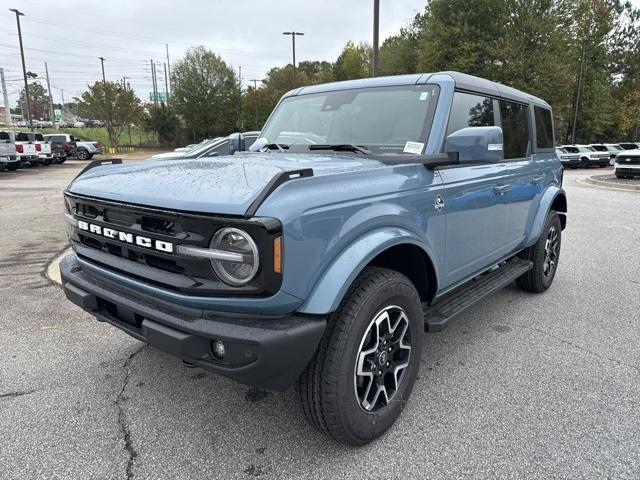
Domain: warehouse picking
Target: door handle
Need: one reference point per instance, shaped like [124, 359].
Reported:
[538, 178]
[500, 189]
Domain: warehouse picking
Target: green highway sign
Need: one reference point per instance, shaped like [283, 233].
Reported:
[160, 96]
[57, 114]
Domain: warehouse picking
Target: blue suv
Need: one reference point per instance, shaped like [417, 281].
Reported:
[367, 213]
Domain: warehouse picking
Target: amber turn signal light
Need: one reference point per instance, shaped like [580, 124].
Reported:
[277, 255]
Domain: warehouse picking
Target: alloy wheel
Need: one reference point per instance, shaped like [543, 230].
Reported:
[383, 358]
[550, 252]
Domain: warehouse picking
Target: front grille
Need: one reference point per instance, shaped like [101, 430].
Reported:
[168, 270]
[628, 160]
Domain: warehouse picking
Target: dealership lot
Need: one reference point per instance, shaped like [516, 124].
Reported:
[519, 386]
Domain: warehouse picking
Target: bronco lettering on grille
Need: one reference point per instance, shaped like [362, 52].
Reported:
[126, 237]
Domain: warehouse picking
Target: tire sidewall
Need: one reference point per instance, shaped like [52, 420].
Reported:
[82, 154]
[552, 221]
[364, 426]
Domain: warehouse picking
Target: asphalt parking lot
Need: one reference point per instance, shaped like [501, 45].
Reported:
[521, 386]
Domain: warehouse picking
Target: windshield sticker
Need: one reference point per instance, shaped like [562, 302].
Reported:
[413, 147]
[424, 96]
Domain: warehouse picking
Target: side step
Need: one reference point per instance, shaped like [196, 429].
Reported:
[438, 314]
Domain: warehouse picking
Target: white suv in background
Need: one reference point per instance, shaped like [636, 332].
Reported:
[627, 164]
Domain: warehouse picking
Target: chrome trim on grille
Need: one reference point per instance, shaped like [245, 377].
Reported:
[212, 254]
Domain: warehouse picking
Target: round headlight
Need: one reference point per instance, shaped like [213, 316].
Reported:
[242, 265]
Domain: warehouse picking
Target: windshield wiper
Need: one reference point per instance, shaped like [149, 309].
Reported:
[342, 147]
[281, 147]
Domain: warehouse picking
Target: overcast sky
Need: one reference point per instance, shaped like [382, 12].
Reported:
[71, 34]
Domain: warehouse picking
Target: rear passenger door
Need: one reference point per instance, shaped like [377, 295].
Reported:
[525, 176]
[476, 208]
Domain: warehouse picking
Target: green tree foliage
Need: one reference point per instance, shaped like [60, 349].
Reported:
[398, 53]
[629, 108]
[353, 62]
[205, 93]
[39, 101]
[257, 104]
[112, 103]
[164, 121]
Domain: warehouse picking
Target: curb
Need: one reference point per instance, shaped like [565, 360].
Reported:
[52, 271]
[590, 181]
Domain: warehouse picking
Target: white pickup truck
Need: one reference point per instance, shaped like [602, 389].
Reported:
[8, 157]
[27, 150]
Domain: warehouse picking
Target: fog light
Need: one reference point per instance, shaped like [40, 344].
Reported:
[218, 349]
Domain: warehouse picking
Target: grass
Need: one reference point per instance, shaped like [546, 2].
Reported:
[99, 134]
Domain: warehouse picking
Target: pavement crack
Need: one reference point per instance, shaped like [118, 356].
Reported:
[579, 347]
[122, 421]
[17, 394]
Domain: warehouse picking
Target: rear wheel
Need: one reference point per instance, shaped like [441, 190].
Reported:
[46, 162]
[544, 254]
[584, 162]
[13, 166]
[82, 154]
[362, 374]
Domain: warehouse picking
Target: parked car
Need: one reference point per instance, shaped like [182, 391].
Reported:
[627, 164]
[8, 159]
[320, 263]
[218, 146]
[611, 148]
[588, 155]
[86, 149]
[27, 150]
[79, 124]
[62, 142]
[629, 145]
[568, 159]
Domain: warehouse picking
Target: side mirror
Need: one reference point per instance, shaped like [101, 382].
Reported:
[477, 145]
[236, 143]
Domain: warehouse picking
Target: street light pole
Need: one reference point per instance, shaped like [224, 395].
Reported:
[255, 97]
[293, 41]
[52, 117]
[104, 79]
[24, 68]
[376, 31]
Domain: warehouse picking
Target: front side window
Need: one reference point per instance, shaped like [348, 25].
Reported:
[544, 127]
[382, 119]
[515, 129]
[469, 110]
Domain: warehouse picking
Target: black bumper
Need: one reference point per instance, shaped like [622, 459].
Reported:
[627, 171]
[268, 353]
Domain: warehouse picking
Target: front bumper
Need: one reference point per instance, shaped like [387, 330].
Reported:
[268, 353]
[600, 161]
[627, 169]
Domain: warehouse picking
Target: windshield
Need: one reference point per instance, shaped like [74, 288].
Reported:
[382, 119]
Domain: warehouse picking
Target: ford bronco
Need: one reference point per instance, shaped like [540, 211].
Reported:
[367, 213]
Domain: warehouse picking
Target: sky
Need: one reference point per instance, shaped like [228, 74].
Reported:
[70, 35]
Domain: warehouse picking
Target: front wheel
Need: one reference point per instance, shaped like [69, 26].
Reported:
[362, 374]
[544, 254]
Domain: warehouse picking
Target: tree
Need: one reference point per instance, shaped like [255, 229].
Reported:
[205, 93]
[629, 111]
[317, 71]
[257, 104]
[112, 103]
[354, 62]
[399, 53]
[164, 121]
[39, 101]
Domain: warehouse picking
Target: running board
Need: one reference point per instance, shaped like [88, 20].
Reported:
[438, 314]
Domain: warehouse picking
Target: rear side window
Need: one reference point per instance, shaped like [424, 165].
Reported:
[469, 110]
[39, 137]
[515, 129]
[544, 127]
[22, 137]
[4, 136]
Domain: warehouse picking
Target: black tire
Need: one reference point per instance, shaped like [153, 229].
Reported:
[13, 166]
[90, 156]
[46, 162]
[82, 154]
[330, 390]
[541, 276]
[584, 162]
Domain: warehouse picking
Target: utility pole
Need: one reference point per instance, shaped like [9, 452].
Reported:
[166, 84]
[153, 81]
[168, 69]
[24, 68]
[53, 119]
[104, 79]
[255, 97]
[376, 32]
[239, 98]
[293, 40]
[575, 113]
[5, 96]
[62, 93]
[124, 82]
